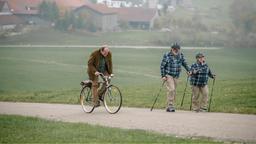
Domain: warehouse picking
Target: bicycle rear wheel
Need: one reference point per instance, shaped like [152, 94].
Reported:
[112, 99]
[86, 99]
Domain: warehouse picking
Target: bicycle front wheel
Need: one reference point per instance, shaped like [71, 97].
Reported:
[86, 99]
[112, 99]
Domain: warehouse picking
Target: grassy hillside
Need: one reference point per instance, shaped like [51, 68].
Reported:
[44, 36]
[53, 75]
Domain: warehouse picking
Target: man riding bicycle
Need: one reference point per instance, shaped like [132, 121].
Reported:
[100, 61]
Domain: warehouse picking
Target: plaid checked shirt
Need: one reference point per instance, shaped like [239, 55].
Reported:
[200, 73]
[171, 65]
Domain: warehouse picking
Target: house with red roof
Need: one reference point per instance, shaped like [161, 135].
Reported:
[99, 15]
[104, 18]
[29, 9]
[138, 18]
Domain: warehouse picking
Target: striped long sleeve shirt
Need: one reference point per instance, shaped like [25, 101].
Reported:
[171, 65]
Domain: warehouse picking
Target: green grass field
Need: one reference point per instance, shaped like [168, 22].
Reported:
[48, 36]
[53, 75]
[17, 129]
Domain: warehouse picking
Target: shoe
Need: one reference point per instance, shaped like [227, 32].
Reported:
[170, 109]
[101, 98]
[203, 110]
[196, 110]
[97, 104]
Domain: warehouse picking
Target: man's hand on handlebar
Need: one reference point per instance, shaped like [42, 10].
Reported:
[97, 73]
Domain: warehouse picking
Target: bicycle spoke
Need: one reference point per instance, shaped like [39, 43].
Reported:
[113, 99]
[86, 100]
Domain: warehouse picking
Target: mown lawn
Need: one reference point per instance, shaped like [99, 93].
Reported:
[18, 129]
[53, 75]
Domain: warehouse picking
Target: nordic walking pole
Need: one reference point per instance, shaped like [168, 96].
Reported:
[157, 96]
[191, 101]
[209, 109]
[184, 92]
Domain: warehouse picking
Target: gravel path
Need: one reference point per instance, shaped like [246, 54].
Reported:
[220, 126]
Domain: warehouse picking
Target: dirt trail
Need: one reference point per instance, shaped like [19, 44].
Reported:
[222, 126]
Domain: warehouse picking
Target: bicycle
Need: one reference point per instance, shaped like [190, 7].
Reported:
[111, 96]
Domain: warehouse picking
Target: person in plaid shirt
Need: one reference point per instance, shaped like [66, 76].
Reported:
[199, 78]
[170, 72]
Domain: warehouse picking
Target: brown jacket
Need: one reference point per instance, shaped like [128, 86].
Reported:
[93, 64]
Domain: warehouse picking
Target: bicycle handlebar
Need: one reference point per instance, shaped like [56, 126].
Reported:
[111, 75]
[105, 78]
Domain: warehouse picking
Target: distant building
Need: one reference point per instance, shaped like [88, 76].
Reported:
[8, 22]
[101, 16]
[172, 4]
[105, 2]
[7, 19]
[25, 9]
[4, 8]
[115, 3]
[104, 18]
[139, 18]
[29, 9]
[120, 3]
[153, 4]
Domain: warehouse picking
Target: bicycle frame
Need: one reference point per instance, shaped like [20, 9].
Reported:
[109, 94]
[106, 79]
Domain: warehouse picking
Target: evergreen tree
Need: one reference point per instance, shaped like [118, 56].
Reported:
[49, 11]
[43, 8]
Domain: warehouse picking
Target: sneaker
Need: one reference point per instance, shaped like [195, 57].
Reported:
[170, 109]
[196, 110]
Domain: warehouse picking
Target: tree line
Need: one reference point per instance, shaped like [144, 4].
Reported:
[239, 30]
[243, 16]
